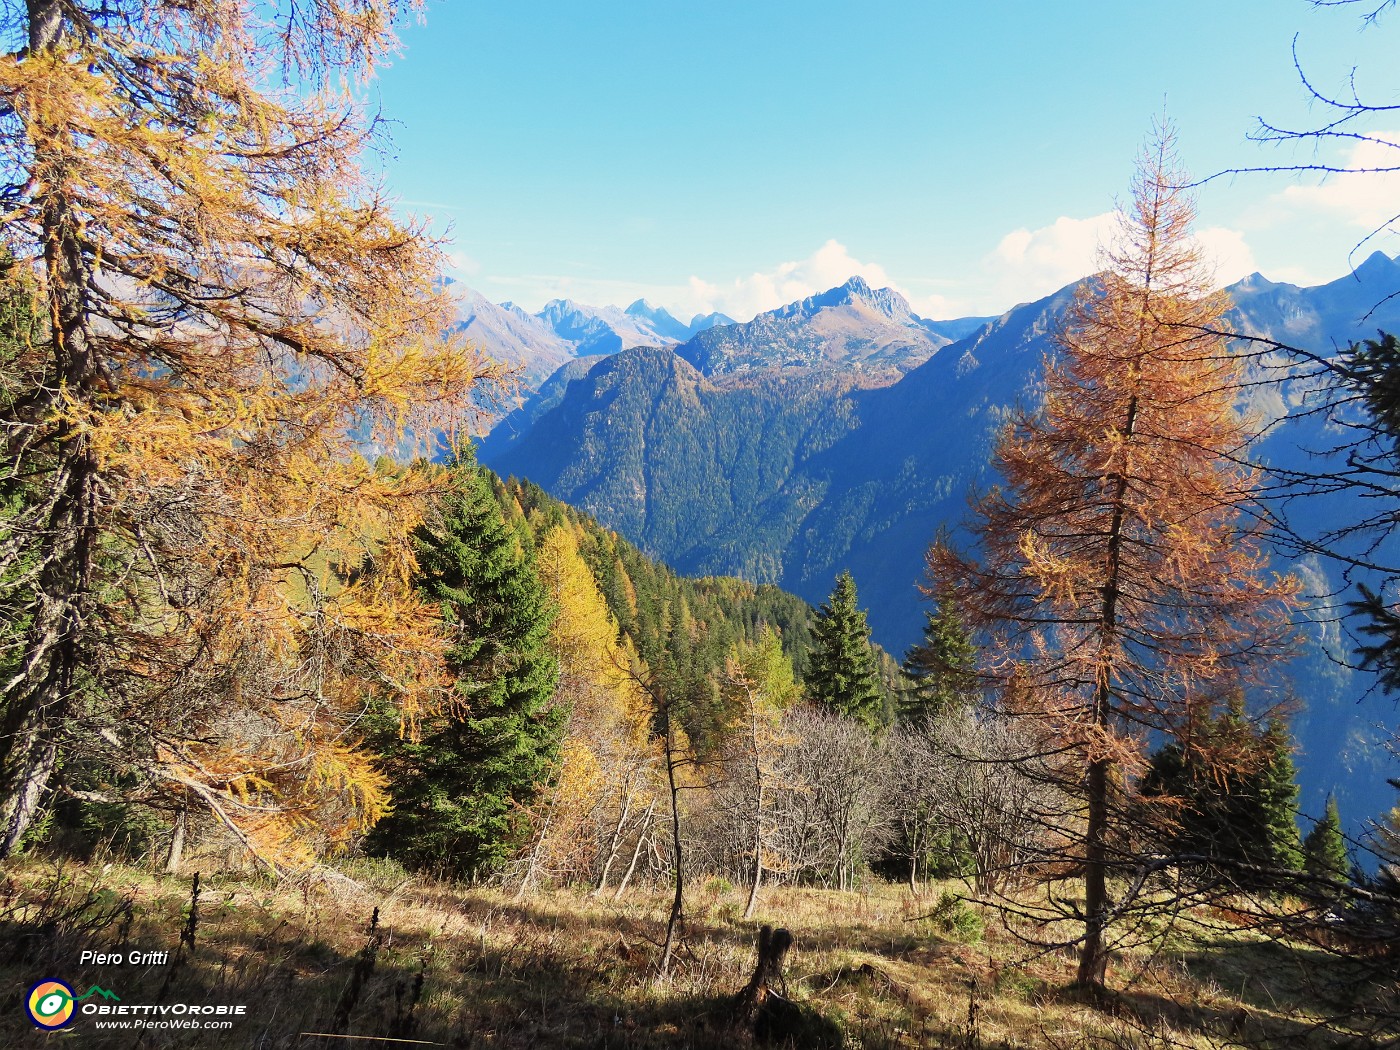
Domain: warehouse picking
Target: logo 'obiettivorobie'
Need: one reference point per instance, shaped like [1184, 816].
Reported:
[50, 1004]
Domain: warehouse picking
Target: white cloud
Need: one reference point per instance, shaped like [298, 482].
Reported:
[1225, 250]
[1027, 264]
[830, 265]
[1363, 197]
[937, 307]
[741, 298]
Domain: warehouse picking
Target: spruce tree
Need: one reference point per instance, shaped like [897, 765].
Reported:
[843, 676]
[1275, 784]
[1243, 812]
[939, 669]
[459, 787]
[1325, 850]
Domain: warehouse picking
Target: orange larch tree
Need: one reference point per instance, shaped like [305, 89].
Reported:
[1119, 584]
[213, 581]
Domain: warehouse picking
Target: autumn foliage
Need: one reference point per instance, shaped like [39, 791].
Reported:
[1119, 585]
[229, 311]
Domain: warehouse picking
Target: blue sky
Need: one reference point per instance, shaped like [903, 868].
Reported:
[734, 156]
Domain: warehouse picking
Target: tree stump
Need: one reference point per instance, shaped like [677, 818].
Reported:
[762, 1005]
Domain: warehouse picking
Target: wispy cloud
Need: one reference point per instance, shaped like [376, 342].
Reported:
[830, 265]
[1364, 197]
[1027, 264]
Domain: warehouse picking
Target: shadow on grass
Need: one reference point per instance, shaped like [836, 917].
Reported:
[1297, 994]
[544, 978]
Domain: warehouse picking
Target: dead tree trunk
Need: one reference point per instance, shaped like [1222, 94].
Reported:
[177, 840]
[615, 840]
[673, 921]
[533, 864]
[763, 1005]
[642, 833]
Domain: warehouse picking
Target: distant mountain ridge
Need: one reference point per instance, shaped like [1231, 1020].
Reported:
[941, 414]
[872, 334]
[540, 343]
[660, 321]
[509, 334]
[602, 330]
[852, 327]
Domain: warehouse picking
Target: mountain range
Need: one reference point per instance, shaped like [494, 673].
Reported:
[540, 343]
[843, 431]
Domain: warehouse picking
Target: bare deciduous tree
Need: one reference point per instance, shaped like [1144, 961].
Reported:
[833, 818]
[978, 781]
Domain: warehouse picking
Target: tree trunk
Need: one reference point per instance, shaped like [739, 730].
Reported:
[22, 804]
[767, 976]
[45, 24]
[642, 833]
[1093, 956]
[678, 901]
[758, 804]
[757, 854]
[533, 865]
[613, 842]
[39, 698]
[177, 841]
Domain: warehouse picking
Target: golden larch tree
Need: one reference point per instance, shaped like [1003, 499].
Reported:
[609, 775]
[213, 582]
[1119, 585]
[757, 687]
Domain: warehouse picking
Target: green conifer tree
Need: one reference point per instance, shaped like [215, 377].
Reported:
[1385, 832]
[843, 675]
[459, 787]
[1245, 813]
[1275, 784]
[940, 669]
[1325, 850]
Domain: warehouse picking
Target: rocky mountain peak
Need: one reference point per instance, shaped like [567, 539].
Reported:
[856, 291]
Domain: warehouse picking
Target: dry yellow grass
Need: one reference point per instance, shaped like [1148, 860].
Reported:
[562, 968]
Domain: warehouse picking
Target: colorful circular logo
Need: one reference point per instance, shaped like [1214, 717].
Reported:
[50, 1004]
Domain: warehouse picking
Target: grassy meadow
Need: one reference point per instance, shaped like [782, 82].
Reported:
[465, 966]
